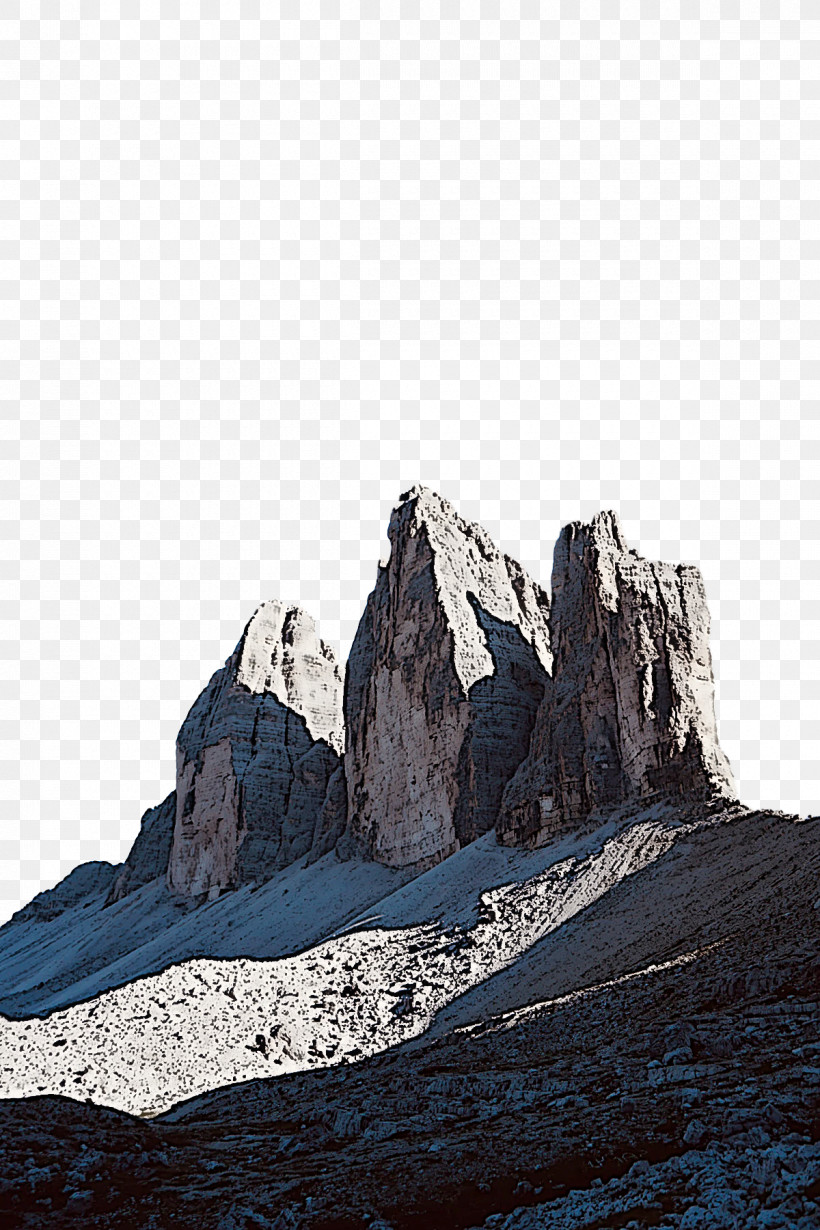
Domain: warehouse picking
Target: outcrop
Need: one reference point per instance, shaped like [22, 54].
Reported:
[148, 857]
[254, 756]
[630, 711]
[84, 882]
[667, 1077]
[445, 676]
[471, 701]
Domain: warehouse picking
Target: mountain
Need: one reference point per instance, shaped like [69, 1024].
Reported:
[446, 673]
[631, 711]
[254, 758]
[469, 704]
[477, 935]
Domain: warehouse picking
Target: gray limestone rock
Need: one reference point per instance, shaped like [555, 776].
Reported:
[148, 857]
[447, 669]
[255, 754]
[630, 710]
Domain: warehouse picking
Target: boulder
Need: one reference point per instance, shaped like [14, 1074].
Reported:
[445, 676]
[630, 712]
[255, 755]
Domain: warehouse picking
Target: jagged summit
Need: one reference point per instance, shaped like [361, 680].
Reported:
[447, 669]
[255, 754]
[631, 711]
[466, 560]
[253, 759]
[471, 700]
[281, 653]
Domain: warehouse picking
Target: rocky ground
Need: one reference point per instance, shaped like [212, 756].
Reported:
[685, 1094]
[453, 946]
[205, 1023]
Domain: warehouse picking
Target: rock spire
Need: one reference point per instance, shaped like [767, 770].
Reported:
[630, 710]
[255, 754]
[447, 669]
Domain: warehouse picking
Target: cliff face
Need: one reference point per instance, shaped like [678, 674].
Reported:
[254, 756]
[630, 712]
[446, 672]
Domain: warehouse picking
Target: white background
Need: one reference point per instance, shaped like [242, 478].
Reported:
[262, 275]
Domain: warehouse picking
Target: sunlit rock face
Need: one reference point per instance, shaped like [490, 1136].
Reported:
[630, 711]
[254, 756]
[447, 669]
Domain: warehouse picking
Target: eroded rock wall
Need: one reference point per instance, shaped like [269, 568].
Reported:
[630, 712]
[448, 667]
[255, 754]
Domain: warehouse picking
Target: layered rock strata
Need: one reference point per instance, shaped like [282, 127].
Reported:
[630, 712]
[255, 754]
[445, 676]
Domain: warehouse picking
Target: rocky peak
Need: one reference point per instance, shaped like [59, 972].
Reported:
[631, 708]
[255, 754]
[467, 566]
[281, 654]
[470, 701]
[446, 672]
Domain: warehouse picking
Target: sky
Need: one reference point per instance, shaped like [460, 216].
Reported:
[263, 274]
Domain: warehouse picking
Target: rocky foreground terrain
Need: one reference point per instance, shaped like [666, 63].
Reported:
[474, 935]
[685, 1092]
